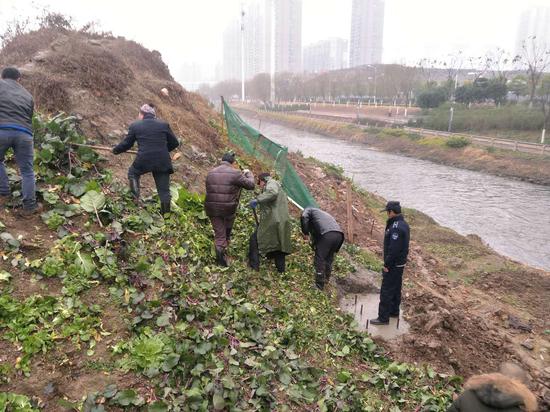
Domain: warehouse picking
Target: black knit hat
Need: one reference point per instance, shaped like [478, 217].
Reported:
[392, 205]
[11, 73]
[263, 177]
[229, 157]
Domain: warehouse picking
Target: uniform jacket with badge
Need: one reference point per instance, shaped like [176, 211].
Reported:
[223, 188]
[155, 141]
[16, 105]
[274, 229]
[494, 392]
[316, 222]
[396, 242]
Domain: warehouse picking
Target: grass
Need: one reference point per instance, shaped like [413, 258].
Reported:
[509, 121]
[364, 257]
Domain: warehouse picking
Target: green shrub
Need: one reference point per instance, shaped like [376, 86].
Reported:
[456, 142]
[482, 119]
[414, 136]
[432, 97]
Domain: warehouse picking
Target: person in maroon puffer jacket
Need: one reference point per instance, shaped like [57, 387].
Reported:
[223, 190]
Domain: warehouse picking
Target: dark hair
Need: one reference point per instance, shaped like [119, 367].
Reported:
[11, 73]
[263, 177]
[229, 157]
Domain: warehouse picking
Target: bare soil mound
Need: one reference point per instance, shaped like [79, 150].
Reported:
[103, 80]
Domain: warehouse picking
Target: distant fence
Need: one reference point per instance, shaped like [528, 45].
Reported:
[515, 145]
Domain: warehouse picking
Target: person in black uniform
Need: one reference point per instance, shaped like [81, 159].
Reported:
[326, 238]
[155, 141]
[396, 250]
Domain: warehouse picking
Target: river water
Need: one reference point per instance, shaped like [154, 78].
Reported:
[512, 217]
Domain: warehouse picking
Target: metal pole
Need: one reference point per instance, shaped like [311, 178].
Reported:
[242, 54]
[374, 85]
[272, 52]
[450, 119]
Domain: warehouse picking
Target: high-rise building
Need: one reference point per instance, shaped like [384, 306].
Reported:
[288, 34]
[232, 51]
[534, 22]
[367, 32]
[254, 39]
[330, 54]
[257, 22]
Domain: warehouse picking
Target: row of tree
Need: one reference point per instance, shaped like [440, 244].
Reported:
[430, 83]
[492, 78]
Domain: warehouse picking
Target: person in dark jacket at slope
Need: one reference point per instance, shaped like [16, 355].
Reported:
[326, 238]
[503, 392]
[396, 250]
[223, 190]
[155, 141]
[16, 111]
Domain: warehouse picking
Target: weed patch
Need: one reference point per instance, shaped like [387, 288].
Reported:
[204, 337]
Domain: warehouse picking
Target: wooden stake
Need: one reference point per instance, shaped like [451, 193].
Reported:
[361, 313]
[349, 211]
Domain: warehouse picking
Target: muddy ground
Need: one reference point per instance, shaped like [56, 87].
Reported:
[469, 308]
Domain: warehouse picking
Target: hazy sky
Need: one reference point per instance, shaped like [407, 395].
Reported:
[187, 31]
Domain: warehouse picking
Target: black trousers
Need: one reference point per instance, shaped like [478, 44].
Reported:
[390, 293]
[162, 182]
[325, 249]
[254, 255]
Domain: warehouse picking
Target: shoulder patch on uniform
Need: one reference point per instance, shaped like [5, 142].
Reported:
[394, 235]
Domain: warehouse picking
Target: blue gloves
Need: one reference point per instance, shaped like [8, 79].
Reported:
[253, 203]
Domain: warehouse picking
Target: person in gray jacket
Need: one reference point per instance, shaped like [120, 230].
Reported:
[326, 239]
[16, 111]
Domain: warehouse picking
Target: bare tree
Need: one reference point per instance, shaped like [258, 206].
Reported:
[536, 59]
[426, 69]
[498, 62]
[453, 64]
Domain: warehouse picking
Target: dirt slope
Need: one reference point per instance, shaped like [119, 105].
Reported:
[104, 80]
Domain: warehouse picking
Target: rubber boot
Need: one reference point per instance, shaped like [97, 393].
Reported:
[319, 280]
[134, 187]
[164, 208]
[220, 257]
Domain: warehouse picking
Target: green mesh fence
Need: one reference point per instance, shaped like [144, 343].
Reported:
[259, 146]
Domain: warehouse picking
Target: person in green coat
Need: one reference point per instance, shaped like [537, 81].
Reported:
[273, 232]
